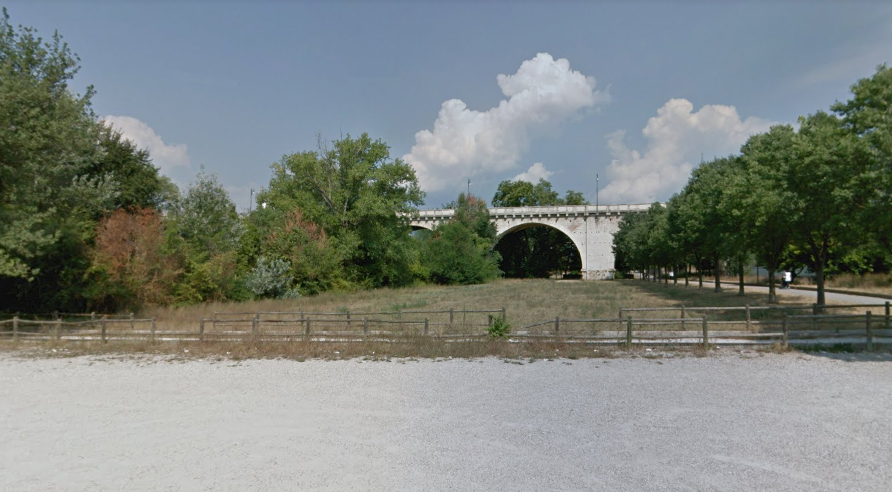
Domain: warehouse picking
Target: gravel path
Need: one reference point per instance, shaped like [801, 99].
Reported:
[727, 422]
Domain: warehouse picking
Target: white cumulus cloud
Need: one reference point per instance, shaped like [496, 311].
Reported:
[164, 156]
[466, 143]
[676, 137]
[532, 175]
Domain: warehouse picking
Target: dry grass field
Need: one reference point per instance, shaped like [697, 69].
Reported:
[525, 302]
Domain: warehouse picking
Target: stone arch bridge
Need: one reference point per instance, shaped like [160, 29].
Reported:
[590, 227]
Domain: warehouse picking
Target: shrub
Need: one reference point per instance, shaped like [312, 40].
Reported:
[270, 278]
[499, 328]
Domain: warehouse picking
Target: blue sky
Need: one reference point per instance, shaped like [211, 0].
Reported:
[634, 92]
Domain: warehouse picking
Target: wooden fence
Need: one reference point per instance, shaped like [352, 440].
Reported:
[264, 326]
[689, 325]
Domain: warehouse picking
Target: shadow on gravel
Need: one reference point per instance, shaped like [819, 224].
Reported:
[847, 353]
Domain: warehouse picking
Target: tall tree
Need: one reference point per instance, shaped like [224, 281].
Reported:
[131, 265]
[868, 114]
[47, 138]
[828, 178]
[360, 197]
[460, 251]
[700, 216]
[762, 201]
[137, 181]
[206, 229]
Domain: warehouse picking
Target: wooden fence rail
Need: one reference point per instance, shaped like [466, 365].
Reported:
[364, 326]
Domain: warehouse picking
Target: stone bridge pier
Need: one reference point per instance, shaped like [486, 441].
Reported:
[590, 227]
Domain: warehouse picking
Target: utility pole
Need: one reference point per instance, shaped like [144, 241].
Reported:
[251, 203]
[597, 190]
[469, 188]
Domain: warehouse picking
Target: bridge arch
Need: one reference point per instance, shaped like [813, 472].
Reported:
[580, 248]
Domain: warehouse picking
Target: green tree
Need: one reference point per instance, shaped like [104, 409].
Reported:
[205, 228]
[761, 199]
[827, 178]
[868, 115]
[360, 197]
[47, 139]
[136, 179]
[49, 201]
[699, 217]
[460, 251]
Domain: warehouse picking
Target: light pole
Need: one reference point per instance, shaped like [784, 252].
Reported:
[597, 189]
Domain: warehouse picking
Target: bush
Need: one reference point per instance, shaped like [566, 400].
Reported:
[271, 278]
[457, 255]
[499, 328]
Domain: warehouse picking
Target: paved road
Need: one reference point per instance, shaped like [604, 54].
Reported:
[810, 295]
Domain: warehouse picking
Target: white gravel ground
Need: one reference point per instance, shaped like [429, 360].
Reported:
[728, 422]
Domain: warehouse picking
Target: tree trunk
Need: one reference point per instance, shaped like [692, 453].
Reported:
[819, 281]
[772, 293]
[687, 274]
[740, 277]
[718, 274]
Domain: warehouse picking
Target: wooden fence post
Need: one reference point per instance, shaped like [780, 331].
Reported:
[102, 332]
[620, 318]
[58, 332]
[887, 315]
[15, 328]
[307, 332]
[349, 323]
[153, 330]
[452, 315]
[131, 321]
[749, 319]
[201, 330]
[629, 331]
[255, 323]
[683, 316]
[503, 313]
[399, 314]
[557, 324]
[869, 332]
[786, 331]
[705, 331]
[365, 326]
[425, 326]
[93, 318]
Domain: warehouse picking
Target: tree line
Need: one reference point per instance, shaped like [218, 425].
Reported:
[87, 222]
[817, 195]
